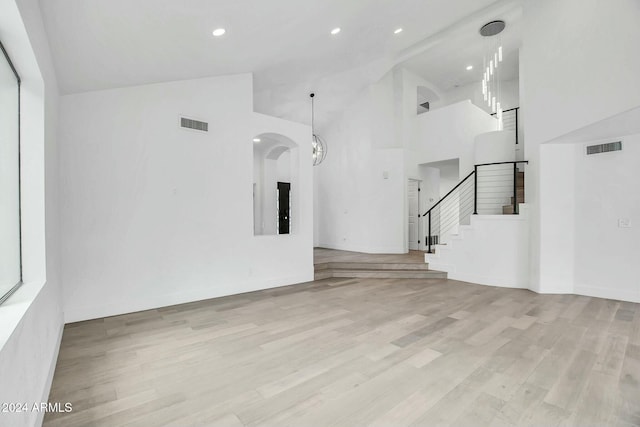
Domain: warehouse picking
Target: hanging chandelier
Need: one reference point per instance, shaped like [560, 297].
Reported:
[319, 147]
[492, 60]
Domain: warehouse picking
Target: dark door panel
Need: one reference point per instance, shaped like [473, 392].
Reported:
[284, 207]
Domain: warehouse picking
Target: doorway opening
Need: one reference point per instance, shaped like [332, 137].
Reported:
[413, 194]
[425, 99]
[275, 178]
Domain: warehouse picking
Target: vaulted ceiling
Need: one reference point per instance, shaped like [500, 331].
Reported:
[444, 64]
[98, 44]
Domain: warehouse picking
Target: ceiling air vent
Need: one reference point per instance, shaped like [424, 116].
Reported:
[194, 124]
[604, 148]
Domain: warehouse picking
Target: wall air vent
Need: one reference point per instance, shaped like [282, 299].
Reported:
[604, 148]
[194, 124]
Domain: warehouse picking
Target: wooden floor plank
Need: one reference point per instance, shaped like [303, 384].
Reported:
[354, 352]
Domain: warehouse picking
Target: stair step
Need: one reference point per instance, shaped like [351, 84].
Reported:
[520, 200]
[322, 274]
[321, 266]
[507, 210]
[418, 266]
[382, 274]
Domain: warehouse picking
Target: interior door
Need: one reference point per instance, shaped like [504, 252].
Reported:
[414, 214]
[284, 207]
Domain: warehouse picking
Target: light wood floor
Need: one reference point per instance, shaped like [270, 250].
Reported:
[358, 352]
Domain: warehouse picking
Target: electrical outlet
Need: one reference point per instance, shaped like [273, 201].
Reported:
[624, 223]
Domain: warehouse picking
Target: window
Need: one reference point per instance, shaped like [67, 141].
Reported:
[10, 250]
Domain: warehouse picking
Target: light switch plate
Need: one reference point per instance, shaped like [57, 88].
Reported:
[624, 223]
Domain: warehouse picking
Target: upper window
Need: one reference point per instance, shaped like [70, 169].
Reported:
[10, 258]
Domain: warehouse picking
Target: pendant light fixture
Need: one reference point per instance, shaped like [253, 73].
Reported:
[319, 147]
[492, 60]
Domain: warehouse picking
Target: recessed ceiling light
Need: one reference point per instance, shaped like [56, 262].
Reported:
[256, 139]
[335, 31]
[219, 32]
[469, 67]
[397, 31]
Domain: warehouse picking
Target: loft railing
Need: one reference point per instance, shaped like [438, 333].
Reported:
[510, 120]
[490, 189]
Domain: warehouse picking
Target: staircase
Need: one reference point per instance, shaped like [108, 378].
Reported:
[376, 271]
[474, 235]
[508, 209]
[491, 250]
[342, 264]
[485, 191]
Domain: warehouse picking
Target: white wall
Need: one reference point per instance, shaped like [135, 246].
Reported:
[354, 197]
[269, 205]
[32, 324]
[509, 95]
[155, 215]
[284, 167]
[573, 74]
[375, 148]
[606, 190]
[564, 78]
[556, 217]
[377, 112]
[449, 133]
[493, 250]
[492, 147]
[407, 86]
[316, 209]
[31, 320]
[258, 164]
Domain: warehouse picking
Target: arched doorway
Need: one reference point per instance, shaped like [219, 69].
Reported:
[275, 185]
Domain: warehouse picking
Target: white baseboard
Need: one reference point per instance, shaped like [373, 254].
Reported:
[499, 282]
[607, 293]
[52, 371]
[363, 248]
[151, 302]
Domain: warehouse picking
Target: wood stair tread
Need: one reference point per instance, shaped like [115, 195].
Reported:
[380, 270]
[417, 266]
[382, 274]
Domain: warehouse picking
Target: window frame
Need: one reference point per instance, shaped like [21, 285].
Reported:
[6, 296]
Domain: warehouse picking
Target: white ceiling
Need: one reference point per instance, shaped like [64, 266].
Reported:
[98, 44]
[625, 123]
[444, 63]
